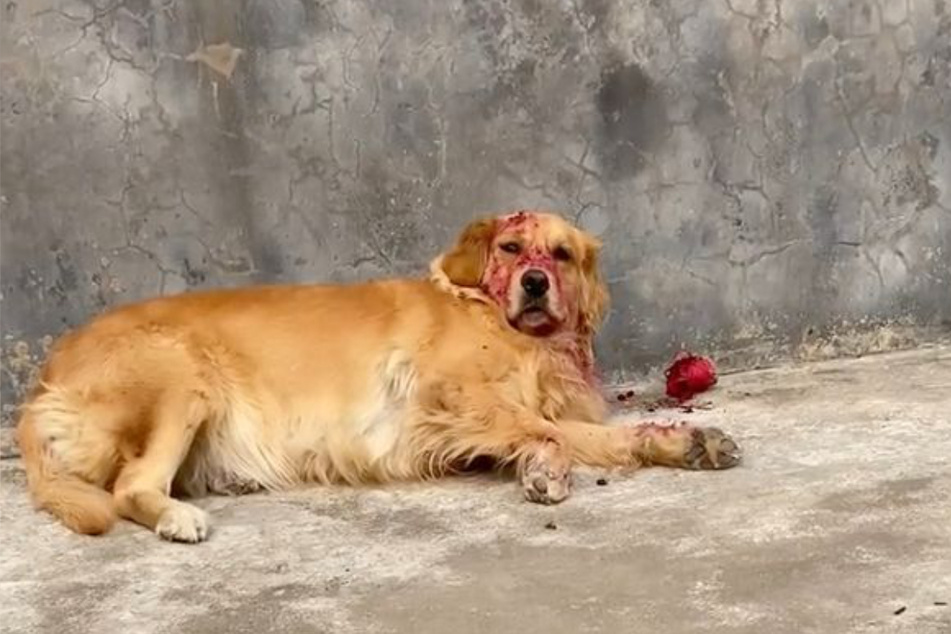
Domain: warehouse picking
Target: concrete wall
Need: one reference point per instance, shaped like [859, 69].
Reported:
[772, 178]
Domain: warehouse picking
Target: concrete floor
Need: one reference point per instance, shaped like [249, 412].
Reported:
[839, 519]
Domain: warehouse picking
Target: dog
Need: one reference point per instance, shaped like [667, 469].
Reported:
[268, 387]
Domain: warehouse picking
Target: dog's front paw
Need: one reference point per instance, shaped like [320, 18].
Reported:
[546, 476]
[711, 448]
[183, 522]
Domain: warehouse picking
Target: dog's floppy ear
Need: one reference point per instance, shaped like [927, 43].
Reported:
[465, 262]
[594, 292]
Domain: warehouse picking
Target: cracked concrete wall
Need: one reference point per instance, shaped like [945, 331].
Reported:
[772, 178]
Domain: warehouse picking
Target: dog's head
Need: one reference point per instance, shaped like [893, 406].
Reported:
[542, 271]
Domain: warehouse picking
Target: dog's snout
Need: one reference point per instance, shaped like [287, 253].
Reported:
[535, 283]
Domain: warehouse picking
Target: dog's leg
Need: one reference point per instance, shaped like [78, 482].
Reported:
[679, 445]
[142, 488]
[510, 436]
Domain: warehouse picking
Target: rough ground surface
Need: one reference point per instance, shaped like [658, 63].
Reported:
[840, 517]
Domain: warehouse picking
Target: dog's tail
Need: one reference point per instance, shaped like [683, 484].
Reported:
[81, 506]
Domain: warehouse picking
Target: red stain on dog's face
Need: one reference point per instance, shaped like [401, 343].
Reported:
[539, 269]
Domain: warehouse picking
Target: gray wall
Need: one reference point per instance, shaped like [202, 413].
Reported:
[772, 178]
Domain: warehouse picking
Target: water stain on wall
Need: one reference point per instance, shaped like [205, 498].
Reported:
[633, 121]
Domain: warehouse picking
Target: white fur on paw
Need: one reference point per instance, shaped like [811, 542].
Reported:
[183, 523]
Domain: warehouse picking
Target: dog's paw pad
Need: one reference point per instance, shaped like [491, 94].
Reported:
[711, 448]
[546, 481]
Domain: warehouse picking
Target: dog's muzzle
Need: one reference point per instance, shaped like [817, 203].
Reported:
[535, 283]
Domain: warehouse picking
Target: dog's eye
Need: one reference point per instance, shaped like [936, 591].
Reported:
[562, 254]
[510, 247]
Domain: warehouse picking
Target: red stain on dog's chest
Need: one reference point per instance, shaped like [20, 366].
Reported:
[575, 353]
[583, 359]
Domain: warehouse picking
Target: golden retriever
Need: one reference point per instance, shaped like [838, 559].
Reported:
[232, 391]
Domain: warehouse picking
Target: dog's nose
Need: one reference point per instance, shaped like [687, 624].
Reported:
[535, 283]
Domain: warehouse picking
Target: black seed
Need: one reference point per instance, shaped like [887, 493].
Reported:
[602, 482]
[551, 526]
[899, 610]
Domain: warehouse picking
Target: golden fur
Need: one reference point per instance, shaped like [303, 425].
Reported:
[270, 387]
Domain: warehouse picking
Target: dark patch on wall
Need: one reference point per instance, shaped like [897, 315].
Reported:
[599, 12]
[823, 205]
[830, 248]
[274, 24]
[633, 120]
[815, 28]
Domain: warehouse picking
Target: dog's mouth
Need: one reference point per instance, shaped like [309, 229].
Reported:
[535, 320]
